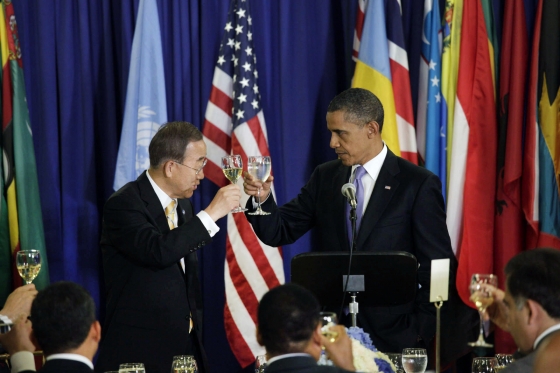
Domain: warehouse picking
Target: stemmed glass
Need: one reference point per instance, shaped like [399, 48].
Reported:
[482, 299]
[260, 364]
[503, 360]
[396, 359]
[414, 360]
[184, 364]
[484, 364]
[232, 165]
[259, 167]
[28, 263]
[132, 368]
[328, 319]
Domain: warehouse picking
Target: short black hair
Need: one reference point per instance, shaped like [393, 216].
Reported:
[535, 275]
[360, 107]
[170, 142]
[287, 317]
[62, 315]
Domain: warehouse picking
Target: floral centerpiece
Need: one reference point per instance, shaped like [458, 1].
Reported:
[366, 357]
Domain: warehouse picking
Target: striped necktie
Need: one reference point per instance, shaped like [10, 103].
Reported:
[170, 214]
[358, 174]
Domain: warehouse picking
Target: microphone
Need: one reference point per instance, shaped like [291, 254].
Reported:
[349, 191]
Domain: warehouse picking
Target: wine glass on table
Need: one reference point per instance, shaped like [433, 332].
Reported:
[232, 165]
[503, 361]
[28, 263]
[184, 364]
[484, 365]
[259, 167]
[482, 299]
[414, 360]
[132, 368]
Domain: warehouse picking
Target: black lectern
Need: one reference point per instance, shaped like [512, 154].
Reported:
[388, 278]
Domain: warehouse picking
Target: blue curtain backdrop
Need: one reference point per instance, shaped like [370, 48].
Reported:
[76, 60]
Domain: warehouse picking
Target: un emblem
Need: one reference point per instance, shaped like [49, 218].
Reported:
[146, 129]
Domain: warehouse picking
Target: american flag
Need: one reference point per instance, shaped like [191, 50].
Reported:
[234, 124]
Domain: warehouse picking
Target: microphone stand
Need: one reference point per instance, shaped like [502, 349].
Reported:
[353, 306]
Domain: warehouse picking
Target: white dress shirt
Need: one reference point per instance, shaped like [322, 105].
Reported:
[165, 200]
[373, 167]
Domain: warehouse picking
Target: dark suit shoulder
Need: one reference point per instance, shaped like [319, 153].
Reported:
[65, 366]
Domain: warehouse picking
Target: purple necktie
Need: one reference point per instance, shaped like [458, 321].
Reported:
[360, 171]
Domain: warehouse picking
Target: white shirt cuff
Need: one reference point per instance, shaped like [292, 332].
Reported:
[21, 361]
[5, 319]
[208, 223]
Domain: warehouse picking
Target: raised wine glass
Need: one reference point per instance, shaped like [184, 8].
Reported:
[259, 167]
[28, 263]
[329, 319]
[414, 360]
[232, 165]
[482, 299]
[484, 365]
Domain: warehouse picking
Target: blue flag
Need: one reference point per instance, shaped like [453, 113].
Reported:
[146, 104]
[434, 110]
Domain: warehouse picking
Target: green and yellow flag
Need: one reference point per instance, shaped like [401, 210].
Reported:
[21, 222]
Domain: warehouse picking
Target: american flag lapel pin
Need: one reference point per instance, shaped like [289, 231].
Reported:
[388, 187]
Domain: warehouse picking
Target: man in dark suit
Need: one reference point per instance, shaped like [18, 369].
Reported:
[149, 240]
[529, 309]
[289, 327]
[402, 208]
[63, 325]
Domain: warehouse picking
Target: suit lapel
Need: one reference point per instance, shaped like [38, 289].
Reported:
[152, 202]
[385, 187]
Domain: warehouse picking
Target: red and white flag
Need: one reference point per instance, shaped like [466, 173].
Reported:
[234, 124]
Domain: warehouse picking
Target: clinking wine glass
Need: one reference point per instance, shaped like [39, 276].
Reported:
[259, 167]
[28, 263]
[414, 360]
[232, 165]
[482, 299]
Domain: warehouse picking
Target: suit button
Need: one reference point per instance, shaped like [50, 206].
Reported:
[203, 243]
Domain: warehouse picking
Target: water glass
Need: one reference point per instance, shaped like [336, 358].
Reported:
[184, 364]
[396, 359]
[132, 368]
[260, 364]
[414, 360]
[484, 365]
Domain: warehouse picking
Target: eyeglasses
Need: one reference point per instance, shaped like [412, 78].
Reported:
[196, 169]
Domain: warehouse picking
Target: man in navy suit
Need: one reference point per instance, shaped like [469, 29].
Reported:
[289, 327]
[149, 241]
[402, 210]
[63, 325]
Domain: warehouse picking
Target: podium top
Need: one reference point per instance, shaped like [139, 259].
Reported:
[389, 277]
